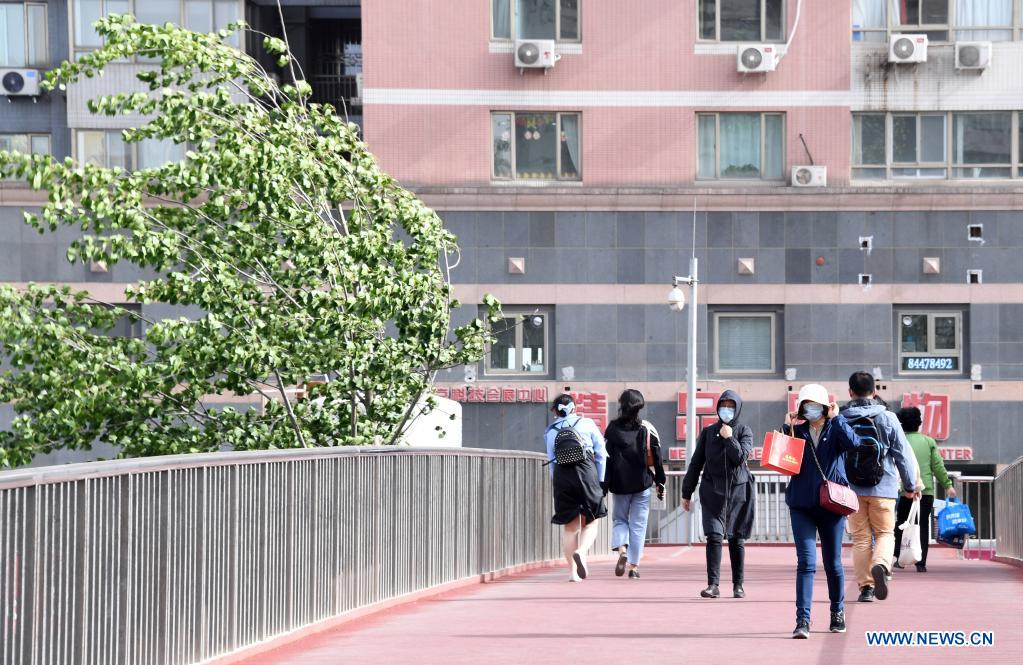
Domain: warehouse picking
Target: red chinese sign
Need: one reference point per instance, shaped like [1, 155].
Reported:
[494, 394]
[677, 454]
[592, 406]
[706, 412]
[680, 425]
[934, 412]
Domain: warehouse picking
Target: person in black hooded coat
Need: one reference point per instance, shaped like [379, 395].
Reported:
[727, 494]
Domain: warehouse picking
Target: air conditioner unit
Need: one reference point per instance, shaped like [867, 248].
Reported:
[756, 58]
[535, 53]
[19, 82]
[809, 176]
[973, 55]
[907, 48]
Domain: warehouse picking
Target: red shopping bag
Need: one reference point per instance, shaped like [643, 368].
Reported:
[782, 453]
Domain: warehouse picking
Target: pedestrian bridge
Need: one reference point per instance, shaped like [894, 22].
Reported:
[340, 555]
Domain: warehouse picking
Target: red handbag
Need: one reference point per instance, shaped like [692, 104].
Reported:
[834, 497]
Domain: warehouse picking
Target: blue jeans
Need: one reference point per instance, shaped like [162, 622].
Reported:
[629, 516]
[806, 524]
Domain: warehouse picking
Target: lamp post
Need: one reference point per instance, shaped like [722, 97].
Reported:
[677, 302]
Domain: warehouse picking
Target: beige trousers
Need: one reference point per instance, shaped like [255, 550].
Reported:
[873, 535]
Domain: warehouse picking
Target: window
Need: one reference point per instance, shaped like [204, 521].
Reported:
[108, 148]
[740, 146]
[26, 144]
[930, 342]
[23, 34]
[521, 344]
[536, 146]
[741, 20]
[745, 342]
[916, 145]
[941, 20]
[535, 19]
[198, 15]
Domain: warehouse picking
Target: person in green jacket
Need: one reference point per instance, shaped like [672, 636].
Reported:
[926, 451]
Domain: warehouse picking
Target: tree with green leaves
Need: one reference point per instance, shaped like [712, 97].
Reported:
[278, 225]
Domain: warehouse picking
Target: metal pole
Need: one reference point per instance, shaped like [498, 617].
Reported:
[691, 417]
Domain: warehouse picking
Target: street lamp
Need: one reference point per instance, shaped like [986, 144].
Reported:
[677, 302]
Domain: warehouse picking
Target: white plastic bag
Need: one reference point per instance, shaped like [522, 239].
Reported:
[912, 550]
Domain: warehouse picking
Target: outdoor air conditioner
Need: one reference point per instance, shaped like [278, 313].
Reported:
[907, 48]
[19, 82]
[535, 53]
[973, 55]
[809, 176]
[756, 58]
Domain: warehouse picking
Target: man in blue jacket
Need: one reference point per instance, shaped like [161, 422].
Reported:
[873, 525]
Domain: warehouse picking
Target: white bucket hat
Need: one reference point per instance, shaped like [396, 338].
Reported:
[814, 392]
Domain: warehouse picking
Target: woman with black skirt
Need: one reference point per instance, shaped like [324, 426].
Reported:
[727, 494]
[578, 497]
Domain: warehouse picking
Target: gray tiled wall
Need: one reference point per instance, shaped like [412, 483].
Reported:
[649, 247]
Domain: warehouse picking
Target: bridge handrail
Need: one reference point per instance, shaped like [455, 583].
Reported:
[1009, 513]
[184, 558]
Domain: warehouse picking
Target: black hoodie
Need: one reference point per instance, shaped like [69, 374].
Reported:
[715, 456]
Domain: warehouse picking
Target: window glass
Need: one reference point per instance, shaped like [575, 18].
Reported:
[740, 145]
[91, 148]
[708, 146]
[501, 131]
[536, 19]
[569, 19]
[976, 20]
[40, 145]
[533, 339]
[772, 20]
[225, 12]
[869, 14]
[740, 21]
[157, 152]
[982, 138]
[570, 146]
[535, 141]
[118, 152]
[707, 13]
[37, 53]
[14, 143]
[774, 150]
[745, 343]
[914, 333]
[932, 138]
[501, 17]
[12, 35]
[904, 139]
[945, 333]
[868, 139]
[502, 350]
[157, 12]
[199, 15]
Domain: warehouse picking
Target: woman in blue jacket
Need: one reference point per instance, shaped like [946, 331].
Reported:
[817, 421]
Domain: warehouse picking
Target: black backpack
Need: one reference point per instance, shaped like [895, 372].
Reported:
[864, 464]
[568, 445]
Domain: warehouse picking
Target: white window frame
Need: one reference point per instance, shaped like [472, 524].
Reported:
[518, 312]
[29, 62]
[513, 9]
[77, 50]
[763, 146]
[557, 156]
[950, 166]
[951, 27]
[931, 352]
[763, 25]
[716, 317]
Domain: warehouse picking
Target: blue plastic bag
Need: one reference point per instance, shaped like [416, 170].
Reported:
[955, 520]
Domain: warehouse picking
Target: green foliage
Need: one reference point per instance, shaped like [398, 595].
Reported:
[279, 225]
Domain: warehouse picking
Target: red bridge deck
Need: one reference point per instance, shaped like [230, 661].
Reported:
[541, 618]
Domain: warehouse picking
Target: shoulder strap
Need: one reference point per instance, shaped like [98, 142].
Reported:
[813, 451]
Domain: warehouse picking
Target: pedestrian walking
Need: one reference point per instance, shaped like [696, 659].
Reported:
[576, 453]
[634, 471]
[873, 471]
[727, 493]
[827, 437]
[925, 449]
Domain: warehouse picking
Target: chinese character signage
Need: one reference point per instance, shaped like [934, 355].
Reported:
[934, 412]
[493, 394]
[592, 406]
[706, 412]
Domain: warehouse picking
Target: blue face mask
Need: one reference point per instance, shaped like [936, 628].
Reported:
[726, 414]
[813, 411]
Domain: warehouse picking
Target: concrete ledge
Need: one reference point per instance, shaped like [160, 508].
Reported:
[1008, 560]
[332, 623]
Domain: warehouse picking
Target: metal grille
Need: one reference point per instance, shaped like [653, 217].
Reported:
[180, 559]
[1009, 512]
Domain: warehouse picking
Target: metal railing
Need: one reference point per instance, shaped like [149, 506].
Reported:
[1008, 502]
[180, 559]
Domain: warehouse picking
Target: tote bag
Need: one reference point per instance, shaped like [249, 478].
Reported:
[912, 548]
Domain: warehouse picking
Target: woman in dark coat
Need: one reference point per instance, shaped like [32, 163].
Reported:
[727, 494]
[578, 495]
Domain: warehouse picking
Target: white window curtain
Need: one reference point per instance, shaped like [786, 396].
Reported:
[740, 145]
[744, 343]
[981, 14]
[12, 34]
[708, 142]
[570, 139]
[869, 14]
[501, 16]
